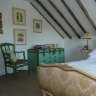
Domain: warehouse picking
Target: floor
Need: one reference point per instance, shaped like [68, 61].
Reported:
[23, 84]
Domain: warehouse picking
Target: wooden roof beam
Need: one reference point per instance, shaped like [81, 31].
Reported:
[47, 20]
[45, 9]
[73, 15]
[64, 18]
[86, 13]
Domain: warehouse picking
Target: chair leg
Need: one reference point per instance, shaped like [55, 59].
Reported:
[14, 70]
[5, 70]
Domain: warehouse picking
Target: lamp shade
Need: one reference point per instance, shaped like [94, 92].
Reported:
[87, 35]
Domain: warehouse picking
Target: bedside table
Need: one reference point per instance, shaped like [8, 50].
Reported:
[85, 52]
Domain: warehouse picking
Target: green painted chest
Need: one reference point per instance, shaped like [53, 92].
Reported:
[44, 56]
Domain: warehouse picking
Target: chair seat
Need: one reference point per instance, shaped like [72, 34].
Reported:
[18, 62]
[21, 61]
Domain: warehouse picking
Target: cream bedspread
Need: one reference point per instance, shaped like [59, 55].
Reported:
[62, 80]
[88, 65]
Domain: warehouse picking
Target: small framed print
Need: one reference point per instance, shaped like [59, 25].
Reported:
[19, 36]
[19, 16]
[37, 25]
[1, 25]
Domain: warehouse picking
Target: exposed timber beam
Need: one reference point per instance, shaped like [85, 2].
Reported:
[86, 13]
[46, 20]
[74, 16]
[64, 18]
[45, 9]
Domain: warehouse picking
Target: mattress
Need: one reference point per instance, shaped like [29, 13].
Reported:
[88, 65]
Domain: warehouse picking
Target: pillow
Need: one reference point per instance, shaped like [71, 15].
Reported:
[12, 56]
[92, 56]
[93, 52]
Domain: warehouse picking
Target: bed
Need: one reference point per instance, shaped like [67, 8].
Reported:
[68, 79]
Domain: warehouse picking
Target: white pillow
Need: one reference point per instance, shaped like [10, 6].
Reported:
[92, 56]
[93, 52]
[12, 56]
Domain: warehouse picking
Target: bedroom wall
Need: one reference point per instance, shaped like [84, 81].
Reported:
[48, 35]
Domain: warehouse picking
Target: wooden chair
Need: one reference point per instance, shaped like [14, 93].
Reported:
[10, 57]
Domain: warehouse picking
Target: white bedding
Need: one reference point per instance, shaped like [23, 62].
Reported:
[88, 65]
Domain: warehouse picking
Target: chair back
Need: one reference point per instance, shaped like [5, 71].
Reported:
[5, 48]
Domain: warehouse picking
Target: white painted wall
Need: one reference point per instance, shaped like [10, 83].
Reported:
[48, 35]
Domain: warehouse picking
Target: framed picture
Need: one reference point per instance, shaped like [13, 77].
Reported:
[19, 36]
[19, 16]
[37, 25]
[1, 25]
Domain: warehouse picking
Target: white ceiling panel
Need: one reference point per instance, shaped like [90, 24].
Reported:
[90, 5]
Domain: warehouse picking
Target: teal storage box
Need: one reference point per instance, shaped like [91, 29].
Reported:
[44, 56]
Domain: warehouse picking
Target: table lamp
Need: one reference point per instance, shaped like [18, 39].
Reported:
[87, 36]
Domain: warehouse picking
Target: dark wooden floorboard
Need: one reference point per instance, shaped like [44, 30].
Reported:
[23, 85]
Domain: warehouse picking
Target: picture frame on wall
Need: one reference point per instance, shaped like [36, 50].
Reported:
[19, 36]
[37, 25]
[1, 25]
[19, 16]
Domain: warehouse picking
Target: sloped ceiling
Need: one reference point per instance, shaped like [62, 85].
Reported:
[70, 18]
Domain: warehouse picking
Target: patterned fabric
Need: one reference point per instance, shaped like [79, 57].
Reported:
[12, 56]
[60, 82]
